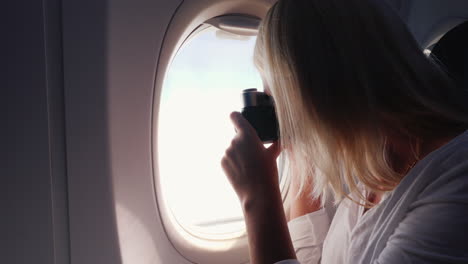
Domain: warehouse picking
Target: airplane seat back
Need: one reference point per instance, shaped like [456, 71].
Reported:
[452, 53]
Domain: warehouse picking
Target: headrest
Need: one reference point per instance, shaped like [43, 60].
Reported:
[452, 53]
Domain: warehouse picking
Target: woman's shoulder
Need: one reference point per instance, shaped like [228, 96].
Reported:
[454, 153]
[444, 172]
[456, 147]
[423, 216]
[438, 171]
[447, 161]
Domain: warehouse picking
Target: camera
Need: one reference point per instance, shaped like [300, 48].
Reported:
[259, 110]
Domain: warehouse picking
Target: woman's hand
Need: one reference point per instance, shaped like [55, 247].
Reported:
[250, 167]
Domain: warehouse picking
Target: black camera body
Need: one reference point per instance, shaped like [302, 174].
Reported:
[259, 110]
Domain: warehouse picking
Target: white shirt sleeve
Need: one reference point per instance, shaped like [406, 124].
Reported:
[307, 234]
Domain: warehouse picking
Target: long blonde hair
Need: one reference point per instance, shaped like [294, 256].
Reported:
[343, 73]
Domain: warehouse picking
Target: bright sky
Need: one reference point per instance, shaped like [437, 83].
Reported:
[202, 87]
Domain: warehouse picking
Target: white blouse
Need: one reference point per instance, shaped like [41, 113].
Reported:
[423, 220]
[316, 238]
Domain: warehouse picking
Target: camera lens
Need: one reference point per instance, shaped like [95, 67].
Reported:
[252, 97]
[260, 112]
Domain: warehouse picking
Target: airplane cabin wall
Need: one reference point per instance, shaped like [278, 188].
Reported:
[110, 54]
[112, 61]
[34, 216]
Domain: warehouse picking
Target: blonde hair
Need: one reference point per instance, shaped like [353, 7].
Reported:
[343, 73]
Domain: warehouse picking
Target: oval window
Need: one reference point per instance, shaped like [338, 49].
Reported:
[202, 87]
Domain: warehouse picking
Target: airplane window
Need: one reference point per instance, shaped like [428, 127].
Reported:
[202, 87]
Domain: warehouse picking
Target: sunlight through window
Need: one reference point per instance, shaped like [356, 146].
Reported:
[202, 87]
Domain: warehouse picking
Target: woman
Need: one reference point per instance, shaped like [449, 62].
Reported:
[365, 118]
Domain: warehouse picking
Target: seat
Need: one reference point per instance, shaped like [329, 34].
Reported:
[452, 53]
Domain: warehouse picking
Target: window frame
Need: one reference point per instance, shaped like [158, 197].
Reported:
[284, 187]
[195, 246]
